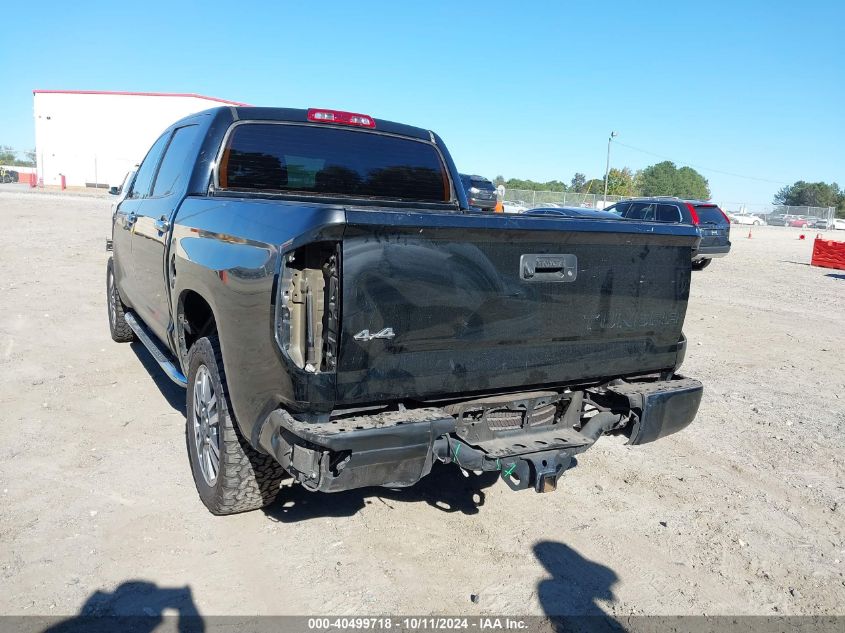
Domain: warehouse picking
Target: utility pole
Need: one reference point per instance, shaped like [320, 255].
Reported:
[607, 167]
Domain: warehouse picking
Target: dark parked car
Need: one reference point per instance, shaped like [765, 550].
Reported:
[800, 221]
[573, 212]
[338, 311]
[481, 193]
[8, 175]
[712, 223]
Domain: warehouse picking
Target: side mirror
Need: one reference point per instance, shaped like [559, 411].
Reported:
[115, 191]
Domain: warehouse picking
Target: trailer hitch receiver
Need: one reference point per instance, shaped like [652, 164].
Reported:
[540, 470]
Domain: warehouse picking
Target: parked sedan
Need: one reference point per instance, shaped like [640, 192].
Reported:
[838, 224]
[799, 221]
[746, 218]
[573, 212]
[510, 206]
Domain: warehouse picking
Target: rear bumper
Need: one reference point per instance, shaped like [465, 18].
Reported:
[711, 252]
[398, 448]
[660, 408]
[378, 450]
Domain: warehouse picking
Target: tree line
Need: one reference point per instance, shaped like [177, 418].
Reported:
[812, 194]
[662, 179]
[667, 179]
[8, 156]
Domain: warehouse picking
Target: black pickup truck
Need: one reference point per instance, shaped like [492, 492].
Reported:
[338, 312]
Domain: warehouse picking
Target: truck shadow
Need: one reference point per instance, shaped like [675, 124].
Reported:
[136, 605]
[445, 488]
[574, 587]
[173, 393]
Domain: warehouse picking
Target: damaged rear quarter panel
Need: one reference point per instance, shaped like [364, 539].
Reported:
[228, 250]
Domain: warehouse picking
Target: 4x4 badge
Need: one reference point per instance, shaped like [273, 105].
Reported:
[364, 335]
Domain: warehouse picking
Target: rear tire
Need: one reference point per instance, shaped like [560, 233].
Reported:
[701, 264]
[229, 474]
[119, 328]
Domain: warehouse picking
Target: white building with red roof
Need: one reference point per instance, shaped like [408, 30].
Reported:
[94, 137]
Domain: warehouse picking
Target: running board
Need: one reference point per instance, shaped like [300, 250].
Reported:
[160, 356]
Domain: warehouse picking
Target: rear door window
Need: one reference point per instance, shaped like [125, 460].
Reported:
[327, 161]
[144, 177]
[172, 174]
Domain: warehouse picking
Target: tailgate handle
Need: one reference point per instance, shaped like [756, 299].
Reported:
[544, 267]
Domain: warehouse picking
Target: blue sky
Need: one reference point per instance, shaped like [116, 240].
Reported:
[524, 89]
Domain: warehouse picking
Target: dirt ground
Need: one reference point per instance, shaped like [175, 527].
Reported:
[742, 513]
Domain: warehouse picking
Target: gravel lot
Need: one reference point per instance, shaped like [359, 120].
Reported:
[742, 513]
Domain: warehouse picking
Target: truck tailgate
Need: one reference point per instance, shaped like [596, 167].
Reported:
[435, 305]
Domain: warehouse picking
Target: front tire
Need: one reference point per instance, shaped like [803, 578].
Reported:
[119, 328]
[230, 475]
[701, 264]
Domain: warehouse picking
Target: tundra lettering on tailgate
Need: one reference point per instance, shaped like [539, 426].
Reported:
[631, 320]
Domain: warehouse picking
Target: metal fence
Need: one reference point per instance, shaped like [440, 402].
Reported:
[519, 199]
[765, 211]
[528, 199]
[12, 154]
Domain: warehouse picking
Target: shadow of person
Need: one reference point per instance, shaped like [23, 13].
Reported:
[445, 488]
[173, 393]
[135, 605]
[575, 586]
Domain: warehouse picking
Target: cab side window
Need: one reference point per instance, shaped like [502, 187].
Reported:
[172, 175]
[144, 177]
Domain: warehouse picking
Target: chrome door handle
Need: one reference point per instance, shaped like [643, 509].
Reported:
[129, 220]
[162, 225]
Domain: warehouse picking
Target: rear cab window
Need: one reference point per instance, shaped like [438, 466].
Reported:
[309, 160]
